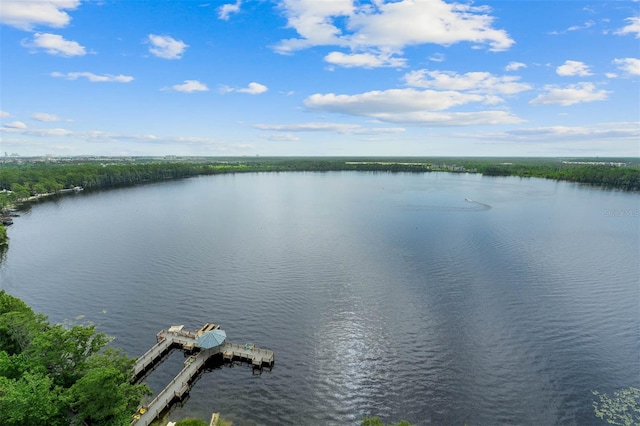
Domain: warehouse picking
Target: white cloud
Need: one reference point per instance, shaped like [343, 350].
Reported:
[16, 125]
[26, 14]
[571, 68]
[365, 60]
[253, 89]
[586, 25]
[166, 47]
[474, 82]
[514, 66]
[410, 106]
[378, 29]
[94, 78]
[632, 28]
[284, 137]
[570, 95]
[328, 127]
[628, 65]
[602, 131]
[190, 86]
[4, 114]
[54, 44]
[397, 100]
[437, 57]
[441, 119]
[227, 9]
[43, 116]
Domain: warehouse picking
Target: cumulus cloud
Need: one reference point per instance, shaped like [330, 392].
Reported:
[94, 78]
[475, 82]
[166, 47]
[16, 125]
[26, 14]
[570, 95]
[514, 66]
[226, 10]
[4, 114]
[43, 116]
[633, 27]
[190, 86]
[397, 100]
[54, 44]
[630, 66]
[365, 60]
[571, 68]
[252, 89]
[420, 107]
[385, 28]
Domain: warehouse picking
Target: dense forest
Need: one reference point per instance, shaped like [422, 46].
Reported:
[30, 179]
[19, 181]
[56, 375]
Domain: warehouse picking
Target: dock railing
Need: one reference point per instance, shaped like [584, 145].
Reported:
[181, 383]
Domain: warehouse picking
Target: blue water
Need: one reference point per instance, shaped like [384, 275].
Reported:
[438, 298]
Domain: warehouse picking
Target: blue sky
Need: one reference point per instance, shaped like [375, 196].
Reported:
[320, 78]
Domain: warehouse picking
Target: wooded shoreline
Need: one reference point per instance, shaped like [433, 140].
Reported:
[26, 179]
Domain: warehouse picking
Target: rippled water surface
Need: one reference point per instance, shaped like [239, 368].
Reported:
[438, 298]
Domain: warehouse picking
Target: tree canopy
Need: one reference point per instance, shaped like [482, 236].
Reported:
[56, 375]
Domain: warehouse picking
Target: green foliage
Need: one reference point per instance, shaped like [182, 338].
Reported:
[41, 178]
[52, 375]
[30, 400]
[375, 421]
[623, 409]
[63, 353]
[191, 422]
[4, 240]
[104, 396]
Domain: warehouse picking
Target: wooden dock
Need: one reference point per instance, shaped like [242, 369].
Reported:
[176, 337]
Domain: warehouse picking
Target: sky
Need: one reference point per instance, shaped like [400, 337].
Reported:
[554, 78]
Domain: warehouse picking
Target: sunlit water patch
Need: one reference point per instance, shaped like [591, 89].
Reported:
[437, 298]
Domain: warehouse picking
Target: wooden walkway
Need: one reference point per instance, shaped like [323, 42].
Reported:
[167, 340]
[187, 341]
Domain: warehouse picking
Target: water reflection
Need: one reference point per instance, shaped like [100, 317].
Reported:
[385, 295]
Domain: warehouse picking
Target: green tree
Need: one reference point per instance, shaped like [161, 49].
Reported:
[52, 375]
[4, 240]
[18, 324]
[623, 409]
[104, 395]
[375, 421]
[191, 422]
[30, 401]
[63, 352]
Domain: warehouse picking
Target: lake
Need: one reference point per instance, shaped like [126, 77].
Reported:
[437, 298]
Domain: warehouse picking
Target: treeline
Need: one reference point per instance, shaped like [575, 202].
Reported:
[40, 178]
[20, 181]
[54, 375]
[626, 178]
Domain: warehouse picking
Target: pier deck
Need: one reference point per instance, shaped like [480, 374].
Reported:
[167, 339]
[180, 385]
